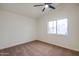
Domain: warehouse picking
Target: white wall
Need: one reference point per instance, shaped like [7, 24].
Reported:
[15, 29]
[71, 41]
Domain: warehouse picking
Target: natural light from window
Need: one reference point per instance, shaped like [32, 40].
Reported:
[59, 27]
[52, 27]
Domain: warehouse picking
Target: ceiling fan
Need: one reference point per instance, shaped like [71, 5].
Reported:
[46, 5]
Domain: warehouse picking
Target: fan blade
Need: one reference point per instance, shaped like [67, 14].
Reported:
[48, 3]
[51, 7]
[37, 5]
[43, 9]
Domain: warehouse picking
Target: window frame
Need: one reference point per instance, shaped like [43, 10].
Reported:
[56, 33]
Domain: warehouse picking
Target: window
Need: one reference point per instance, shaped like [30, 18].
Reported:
[62, 26]
[58, 27]
[52, 27]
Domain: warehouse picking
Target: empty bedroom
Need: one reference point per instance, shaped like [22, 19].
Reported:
[39, 29]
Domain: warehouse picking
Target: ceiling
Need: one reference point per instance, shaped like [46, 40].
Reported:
[26, 9]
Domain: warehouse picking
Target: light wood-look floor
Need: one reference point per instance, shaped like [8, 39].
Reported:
[37, 48]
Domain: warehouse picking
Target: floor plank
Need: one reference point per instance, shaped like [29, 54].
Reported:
[37, 48]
